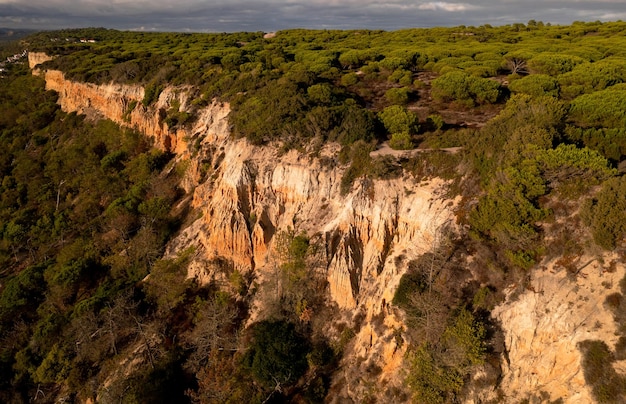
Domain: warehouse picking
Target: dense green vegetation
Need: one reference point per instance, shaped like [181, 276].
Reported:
[300, 84]
[74, 196]
[86, 207]
[85, 214]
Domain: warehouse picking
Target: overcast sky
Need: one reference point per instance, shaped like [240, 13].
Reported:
[273, 15]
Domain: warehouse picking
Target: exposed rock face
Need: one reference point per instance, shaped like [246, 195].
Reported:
[37, 58]
[256, 194]
[544, 324]
[367, 236]
[122, 104]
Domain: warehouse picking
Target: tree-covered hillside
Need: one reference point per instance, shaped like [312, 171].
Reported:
[327, 82]
[537, 118]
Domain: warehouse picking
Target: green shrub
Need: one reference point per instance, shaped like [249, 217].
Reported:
[522, 115]
[54, 368]
[609, 142]
[536, 85]
[22, 293]
[277, 353]
[397, 96]
[435, 121]
[466, 337]
[452, 86]
[468, 90]
[606, 384]
[129, 110]
[114, 160]
[567, 162]
[398, 119]
[402, 77]
[355, 124]
[484, 91]
[162, 383]
[385, 167]
[320, 93]
[355, 58]
[151, 94]
[321, 355]
[437, 371]
[606, 108]
[401, 141]
[349, 79]
[553, 64]
[431, 382]
[174, 116]
[588, 77]
[360, 162]
[605, 213]
[507, 215]
[410, 283]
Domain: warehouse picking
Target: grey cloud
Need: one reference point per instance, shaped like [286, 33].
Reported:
[271, 15]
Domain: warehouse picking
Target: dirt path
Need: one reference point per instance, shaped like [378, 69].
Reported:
[385, 150]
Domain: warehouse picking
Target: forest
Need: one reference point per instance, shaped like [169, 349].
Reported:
[537, 112]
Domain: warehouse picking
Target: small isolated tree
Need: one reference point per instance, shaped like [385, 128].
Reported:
[215, 330]
[397, 119]
[435, 121]
[397, 96]
[516, 62]
[536, 85]
[402, 77]
[401, 123]
[349, 79]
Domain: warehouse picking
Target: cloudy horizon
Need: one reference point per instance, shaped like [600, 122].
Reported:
[274, 15]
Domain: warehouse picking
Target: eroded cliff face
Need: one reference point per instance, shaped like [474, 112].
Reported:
[366, 237]
[37, 58]
[245, 195]
[122, 104]
[544, 324]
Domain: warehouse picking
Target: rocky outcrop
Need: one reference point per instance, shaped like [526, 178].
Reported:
[37, 58]
[255, 194]
[544, 324]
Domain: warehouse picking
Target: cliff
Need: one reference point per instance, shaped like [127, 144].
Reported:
[245, 195]
[120, 103]
[362, 235]
[37, 58]
[544, 324]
